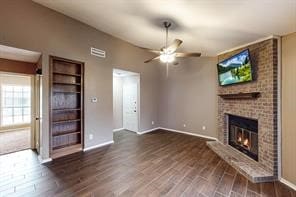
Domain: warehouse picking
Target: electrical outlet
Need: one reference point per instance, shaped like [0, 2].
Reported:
[204, 127]
[91, 136]
[184, 125]
[152, 122]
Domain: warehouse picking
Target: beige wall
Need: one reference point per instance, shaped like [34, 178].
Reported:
[289, 108]
[189, 96]
[30, 26]
[8, 65]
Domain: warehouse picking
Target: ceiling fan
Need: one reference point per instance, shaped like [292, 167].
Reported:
[168, 54]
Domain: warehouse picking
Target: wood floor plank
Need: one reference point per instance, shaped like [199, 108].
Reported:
[267, 189]
[254, 187]
[180, 188]
[240, 185]
[251, 194]
[225, 184]
[282, 190]
[195, 187]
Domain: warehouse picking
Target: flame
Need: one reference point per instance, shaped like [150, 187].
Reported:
[246, 142]
[239, 139]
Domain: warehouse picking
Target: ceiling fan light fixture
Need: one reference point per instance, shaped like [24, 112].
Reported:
[168, 54]
[167, 58]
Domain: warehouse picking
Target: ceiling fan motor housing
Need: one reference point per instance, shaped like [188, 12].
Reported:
[167, 24]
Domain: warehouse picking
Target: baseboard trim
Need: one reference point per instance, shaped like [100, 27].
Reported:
[115, 130]
[42, 161]
[189, 133]
[147, 131]
[98, 146]
[288, 183]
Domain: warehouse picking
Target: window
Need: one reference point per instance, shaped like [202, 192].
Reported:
[15, 104]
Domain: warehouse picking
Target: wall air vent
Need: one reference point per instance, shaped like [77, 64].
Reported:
[97, 52]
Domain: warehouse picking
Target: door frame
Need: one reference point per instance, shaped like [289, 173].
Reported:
[36, 116]
[138, 75]
[139, 101]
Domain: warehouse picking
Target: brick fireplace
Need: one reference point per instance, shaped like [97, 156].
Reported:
[263, 108]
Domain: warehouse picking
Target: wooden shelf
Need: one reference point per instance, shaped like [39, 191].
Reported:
[67, 109]
[66, 133]
[241, 95]
[66, 83]
[66, 92]
[65, 150]
[65, 121]
[67, 74]
[58, 149]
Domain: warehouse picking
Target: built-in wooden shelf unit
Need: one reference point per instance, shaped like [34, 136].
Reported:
[66, 106]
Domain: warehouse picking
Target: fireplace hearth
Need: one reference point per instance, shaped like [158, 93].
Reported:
[243, 135]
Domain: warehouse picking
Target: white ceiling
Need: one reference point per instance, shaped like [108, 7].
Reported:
[207, 26]
[17, 54]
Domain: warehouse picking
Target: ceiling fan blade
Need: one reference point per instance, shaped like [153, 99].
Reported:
[155, 58]
[175, 63]
[150, 50]
[174, 46]
[188, 54]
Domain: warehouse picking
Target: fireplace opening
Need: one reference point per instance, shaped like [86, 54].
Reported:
[243, 135]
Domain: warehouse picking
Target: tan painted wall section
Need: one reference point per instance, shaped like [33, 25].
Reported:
[289, 108]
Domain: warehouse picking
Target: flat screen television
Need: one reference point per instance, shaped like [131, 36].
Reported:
[236, 69]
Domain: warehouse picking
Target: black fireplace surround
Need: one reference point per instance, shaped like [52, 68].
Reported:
[243, 135]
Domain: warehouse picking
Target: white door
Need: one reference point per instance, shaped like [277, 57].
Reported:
[130, 103]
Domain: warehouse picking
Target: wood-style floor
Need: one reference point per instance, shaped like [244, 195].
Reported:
[160, 163]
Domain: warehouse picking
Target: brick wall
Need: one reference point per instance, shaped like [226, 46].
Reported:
[264, 61]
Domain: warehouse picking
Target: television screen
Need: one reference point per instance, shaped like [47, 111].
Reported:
[236, 69]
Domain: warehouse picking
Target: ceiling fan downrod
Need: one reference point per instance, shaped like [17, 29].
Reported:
[167, 25]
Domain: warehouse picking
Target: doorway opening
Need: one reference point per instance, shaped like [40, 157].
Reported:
[15, 112]
[126, 100]
[20, 72]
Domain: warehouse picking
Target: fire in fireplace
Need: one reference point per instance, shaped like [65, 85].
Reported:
[243, 135]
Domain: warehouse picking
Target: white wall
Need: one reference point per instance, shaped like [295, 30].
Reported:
[117, 102]
[10, 79]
